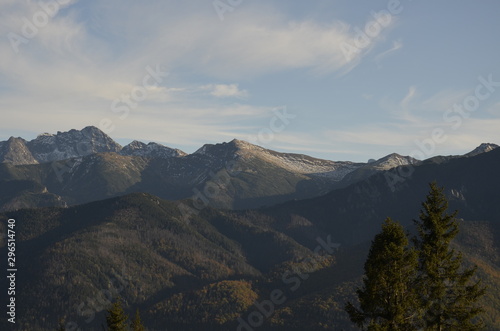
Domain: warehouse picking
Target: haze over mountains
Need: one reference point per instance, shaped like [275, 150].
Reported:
[107, 226]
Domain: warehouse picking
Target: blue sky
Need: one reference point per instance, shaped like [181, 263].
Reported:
[325, 78]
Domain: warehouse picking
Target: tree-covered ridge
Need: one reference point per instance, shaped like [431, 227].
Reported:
[139, 247]
[78, 260]
[215, 304]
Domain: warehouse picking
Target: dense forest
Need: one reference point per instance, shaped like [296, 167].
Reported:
[217, 271]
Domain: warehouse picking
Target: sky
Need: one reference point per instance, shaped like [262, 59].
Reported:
[338, 80]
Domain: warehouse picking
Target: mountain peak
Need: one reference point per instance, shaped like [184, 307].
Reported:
[16, 151]
[136, 144]
[45, 134]
[391, 161]
[483, 148]
[152, 150]
[65, 145]
[233, 147]
[92, 129]
[242, 144]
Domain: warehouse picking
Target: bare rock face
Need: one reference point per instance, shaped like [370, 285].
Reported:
[76, 143]
[483, 148]
[16, 151]
[65, 145]
[152, 150]
[61, 146]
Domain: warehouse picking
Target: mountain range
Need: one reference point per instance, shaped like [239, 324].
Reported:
[77, 167]
[111, 221]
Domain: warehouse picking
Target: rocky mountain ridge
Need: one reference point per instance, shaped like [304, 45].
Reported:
[49, 147]
[153, 150]
[76, 167]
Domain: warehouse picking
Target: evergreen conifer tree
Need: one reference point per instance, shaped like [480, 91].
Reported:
[137, 323]
[116, 318]
[447, 293]
[387, 299]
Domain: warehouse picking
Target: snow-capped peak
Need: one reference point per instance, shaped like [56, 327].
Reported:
[483, 148]
[45, 134]
[64, 145]
[391, 161]
[152, 150]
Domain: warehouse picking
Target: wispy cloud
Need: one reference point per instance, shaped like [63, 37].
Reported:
[414, 107]
[396, 45]
[89, 55]
[93, 52]
[412, 91]
[416, 116]
[443, 100]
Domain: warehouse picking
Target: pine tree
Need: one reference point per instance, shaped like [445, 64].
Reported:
[116, 318]
[137, 323]
[387, 300]
[447, 294]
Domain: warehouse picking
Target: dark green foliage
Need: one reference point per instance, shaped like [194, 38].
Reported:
[137, 323]
[116, 319]
[447, 292]
[427, 288]
[387, 299]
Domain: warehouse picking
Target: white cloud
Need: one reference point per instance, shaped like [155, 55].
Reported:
[225, 91]
[275, 45]
[68, 58]
[256, 40]
[91, 54]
